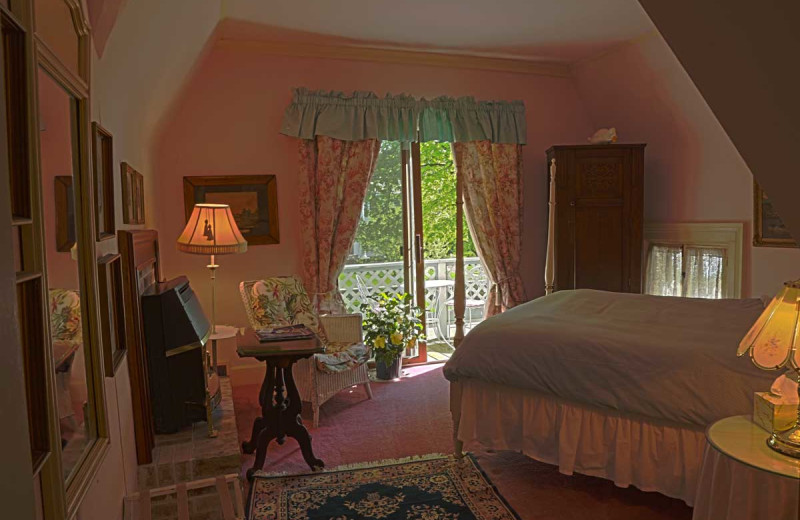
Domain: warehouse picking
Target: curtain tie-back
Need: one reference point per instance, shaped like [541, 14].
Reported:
[498, 291]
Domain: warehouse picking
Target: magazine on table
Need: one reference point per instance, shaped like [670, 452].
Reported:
[287, 333]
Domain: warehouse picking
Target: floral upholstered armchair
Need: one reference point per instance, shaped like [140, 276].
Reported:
[282, 301]
[67, 337]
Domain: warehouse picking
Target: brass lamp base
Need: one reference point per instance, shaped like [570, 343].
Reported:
[786, 442]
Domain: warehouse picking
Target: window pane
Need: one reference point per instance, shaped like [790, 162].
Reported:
[664, 270]
[704, 272]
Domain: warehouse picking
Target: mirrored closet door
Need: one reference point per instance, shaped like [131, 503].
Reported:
[59, 155]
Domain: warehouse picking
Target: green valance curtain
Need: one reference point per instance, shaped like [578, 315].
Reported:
[363, 115]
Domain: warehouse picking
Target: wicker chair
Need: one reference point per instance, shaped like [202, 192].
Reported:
[281, 301]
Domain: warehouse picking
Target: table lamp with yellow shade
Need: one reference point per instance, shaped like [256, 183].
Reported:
[212, 231]
[774, 342]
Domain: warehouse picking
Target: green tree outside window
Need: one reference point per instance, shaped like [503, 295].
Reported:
[380, 232]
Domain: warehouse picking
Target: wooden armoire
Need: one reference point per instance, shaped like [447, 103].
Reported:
[597, 218]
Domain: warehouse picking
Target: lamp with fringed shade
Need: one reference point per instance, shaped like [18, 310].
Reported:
[212, 231]
[774, 342]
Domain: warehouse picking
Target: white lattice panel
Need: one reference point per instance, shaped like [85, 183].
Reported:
[388, 277]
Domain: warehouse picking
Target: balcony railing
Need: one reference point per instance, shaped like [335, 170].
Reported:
[388, 277]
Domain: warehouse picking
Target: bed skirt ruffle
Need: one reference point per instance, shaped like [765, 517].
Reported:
[630, 451]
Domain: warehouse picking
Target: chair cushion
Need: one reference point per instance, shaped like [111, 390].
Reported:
[281, 301]
[339, 357]
[65, 315]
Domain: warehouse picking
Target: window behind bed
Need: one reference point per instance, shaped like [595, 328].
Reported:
[685, 270]
[693, 260]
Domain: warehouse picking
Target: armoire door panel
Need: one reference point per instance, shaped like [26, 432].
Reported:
[600, 177]
[598, 248]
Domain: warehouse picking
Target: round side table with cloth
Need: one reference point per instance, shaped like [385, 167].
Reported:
[743, 478]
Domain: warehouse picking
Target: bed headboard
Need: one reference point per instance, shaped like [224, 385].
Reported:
[141, 268]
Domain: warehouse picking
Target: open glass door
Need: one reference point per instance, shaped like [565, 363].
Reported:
[396, 250]
[413, 243]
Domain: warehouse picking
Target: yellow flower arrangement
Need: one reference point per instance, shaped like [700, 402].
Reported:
[390, 326]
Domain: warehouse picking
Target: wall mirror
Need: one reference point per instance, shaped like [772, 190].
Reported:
[59, 155]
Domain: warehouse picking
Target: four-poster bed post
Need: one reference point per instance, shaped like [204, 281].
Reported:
[549, 266]
[459, 305]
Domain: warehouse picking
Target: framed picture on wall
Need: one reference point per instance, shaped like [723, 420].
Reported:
[253, 200]
[768, 228]
[65, 212]
[103, 164]
[112, 312]
[132, 195]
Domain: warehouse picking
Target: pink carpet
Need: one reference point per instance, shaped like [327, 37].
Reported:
[411, 417]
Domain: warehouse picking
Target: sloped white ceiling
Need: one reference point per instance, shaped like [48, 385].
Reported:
[149, 54]
[558, 30]
[743, 63]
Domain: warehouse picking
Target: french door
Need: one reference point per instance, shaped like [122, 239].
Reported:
[446, 291]
[413, 244]
[410, 239]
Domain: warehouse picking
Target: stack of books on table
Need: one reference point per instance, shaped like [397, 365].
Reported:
[287, 333]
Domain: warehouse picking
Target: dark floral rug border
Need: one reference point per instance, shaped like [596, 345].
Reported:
[431, 487]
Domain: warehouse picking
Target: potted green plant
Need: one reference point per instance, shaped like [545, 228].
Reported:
[391, 325]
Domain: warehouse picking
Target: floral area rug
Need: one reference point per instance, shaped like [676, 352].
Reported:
[434, 487]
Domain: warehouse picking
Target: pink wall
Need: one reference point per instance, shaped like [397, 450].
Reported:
[227, 119]
[693, 171]
[55, 147]
[132, 84]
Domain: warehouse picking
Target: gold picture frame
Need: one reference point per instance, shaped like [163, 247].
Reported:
[112, 312]
[253, 200]
[768, 228]
[103, 173]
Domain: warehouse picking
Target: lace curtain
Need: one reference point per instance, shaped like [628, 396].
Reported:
[688, 271]
[704, 268]
[664, 270]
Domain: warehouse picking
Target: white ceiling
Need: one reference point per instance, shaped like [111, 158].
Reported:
[557, 30]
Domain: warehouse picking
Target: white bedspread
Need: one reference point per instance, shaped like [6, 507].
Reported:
[659, 357]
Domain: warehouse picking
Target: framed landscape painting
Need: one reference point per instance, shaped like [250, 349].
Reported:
[253, 200]
[132, 195]
[103, 164]
[768, 228]
[112, 312]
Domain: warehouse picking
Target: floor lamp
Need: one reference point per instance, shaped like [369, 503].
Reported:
[212, 231]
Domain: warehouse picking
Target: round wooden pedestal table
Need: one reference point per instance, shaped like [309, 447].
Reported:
[742, 478]
[278, 397]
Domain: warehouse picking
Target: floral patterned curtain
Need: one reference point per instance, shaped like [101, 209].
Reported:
[334, 176]
[492, 174]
